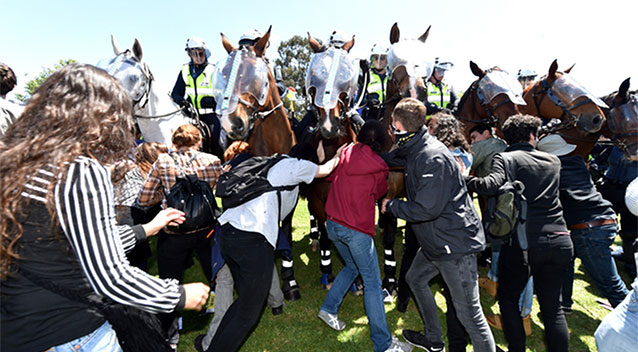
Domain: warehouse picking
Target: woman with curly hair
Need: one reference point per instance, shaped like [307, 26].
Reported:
[61, 248]
[448, 130]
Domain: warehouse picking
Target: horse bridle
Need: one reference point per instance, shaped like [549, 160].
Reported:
[619, 138]
[546, 91]
[120, 59]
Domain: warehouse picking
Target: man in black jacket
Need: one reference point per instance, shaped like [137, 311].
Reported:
[549, 245]
[440, 211]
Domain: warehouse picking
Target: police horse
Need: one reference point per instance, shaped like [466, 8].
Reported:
[157, 116]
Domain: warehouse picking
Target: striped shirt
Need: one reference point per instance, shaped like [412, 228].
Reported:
[164, 172]
[84, 203]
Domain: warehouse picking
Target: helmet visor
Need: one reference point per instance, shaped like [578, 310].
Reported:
[331, 73]
[239, 73]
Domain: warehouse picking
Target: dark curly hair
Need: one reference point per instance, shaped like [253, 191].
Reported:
[449, 131]
[517, 128]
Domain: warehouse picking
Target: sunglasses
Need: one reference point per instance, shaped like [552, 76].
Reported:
[379, 57]
[199, 53]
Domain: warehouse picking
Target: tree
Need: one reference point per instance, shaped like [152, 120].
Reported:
[294, 56]
[33, 84]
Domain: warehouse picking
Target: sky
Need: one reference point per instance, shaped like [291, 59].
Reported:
[599, 37]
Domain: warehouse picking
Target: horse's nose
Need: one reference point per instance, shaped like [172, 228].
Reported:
[597, 120]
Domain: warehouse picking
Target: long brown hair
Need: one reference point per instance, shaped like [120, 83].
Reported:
[146, 154]
[79, 110]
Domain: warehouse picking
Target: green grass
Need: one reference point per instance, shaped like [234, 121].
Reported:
[299, 329]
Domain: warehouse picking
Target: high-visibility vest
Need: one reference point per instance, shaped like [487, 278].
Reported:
[440, 96]
[200, 88]
[377, 85]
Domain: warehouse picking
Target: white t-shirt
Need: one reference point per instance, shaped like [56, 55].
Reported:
[260, 214]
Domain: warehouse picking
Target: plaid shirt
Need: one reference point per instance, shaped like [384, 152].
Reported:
[164, 172]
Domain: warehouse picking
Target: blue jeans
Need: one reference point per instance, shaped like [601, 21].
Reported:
[360, 256]
[592, 247]
[617, 331]
[461, 277]
[102, 339]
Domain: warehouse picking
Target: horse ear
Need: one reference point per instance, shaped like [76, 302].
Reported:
[348, 45]
[624, 87]
[137, 50]
[569, 69]
[394, 33]
[116, 47]
[425, 35]
[262, 43]
[227, 45]
[552, 69]
[314, 44]
[476, 70]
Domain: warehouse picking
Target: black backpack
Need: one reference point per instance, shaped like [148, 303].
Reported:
[248, 180]
[195, 198]
[506, 212]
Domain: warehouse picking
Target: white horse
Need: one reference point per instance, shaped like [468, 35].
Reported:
[156, 114]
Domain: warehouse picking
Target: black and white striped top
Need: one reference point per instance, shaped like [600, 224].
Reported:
[84, 202]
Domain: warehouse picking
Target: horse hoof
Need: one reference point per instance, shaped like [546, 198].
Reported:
[292, 295]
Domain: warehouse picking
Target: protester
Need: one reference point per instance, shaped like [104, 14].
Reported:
[248, 240]
[447, 226]
[9, 110]
[62, 251]
[174, 248]
[549, 245]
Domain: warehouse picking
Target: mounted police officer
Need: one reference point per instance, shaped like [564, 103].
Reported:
[194, 87]
[440, 94]
[376, 89]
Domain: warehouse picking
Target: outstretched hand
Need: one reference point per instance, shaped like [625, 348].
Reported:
[168, 216]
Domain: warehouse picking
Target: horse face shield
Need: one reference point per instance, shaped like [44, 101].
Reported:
[332, 73]
[242, 72]
[571, 96]
[411, 55]
[499, 82]
[622, 121]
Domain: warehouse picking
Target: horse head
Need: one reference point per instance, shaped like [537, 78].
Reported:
[558, 96]
[246, 96]
[133, 73]
[622, 119]
[331, 84]
[408, 66]
[490, 100]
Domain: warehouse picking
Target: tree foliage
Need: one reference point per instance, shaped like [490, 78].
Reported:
[294, 57]
[33, 84]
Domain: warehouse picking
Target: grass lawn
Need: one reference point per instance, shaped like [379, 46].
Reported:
[299, 329]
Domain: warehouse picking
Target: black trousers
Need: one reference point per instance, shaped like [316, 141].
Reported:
[250, 259]
[615, 193]
[549, 257]
[174, 256]
[213, 145]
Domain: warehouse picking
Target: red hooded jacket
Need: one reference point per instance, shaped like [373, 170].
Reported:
[358, 181]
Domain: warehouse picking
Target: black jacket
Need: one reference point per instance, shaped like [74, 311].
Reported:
[540, 173]
[438, 206]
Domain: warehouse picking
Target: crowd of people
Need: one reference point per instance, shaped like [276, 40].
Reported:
[79, 201]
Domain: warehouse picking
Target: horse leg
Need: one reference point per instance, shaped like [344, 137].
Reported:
[314, 233]
[289, 284]
[327, 277]
[388, 223]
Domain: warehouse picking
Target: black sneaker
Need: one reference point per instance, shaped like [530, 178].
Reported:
[418, 340]
[199, 342]
[278, 310]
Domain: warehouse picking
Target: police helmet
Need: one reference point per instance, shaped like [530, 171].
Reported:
[195, 42]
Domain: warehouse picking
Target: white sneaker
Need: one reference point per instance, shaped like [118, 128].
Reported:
[399, 346]
[332, 320]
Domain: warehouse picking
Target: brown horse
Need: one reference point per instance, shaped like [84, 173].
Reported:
[251, 109]
[331, 82]
[558, 96]
[621, 123]
[489, 100]
[248, 102]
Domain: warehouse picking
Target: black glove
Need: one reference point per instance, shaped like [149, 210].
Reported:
[364, 65]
